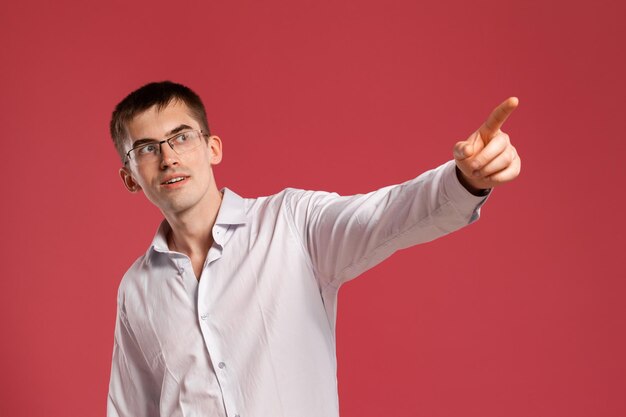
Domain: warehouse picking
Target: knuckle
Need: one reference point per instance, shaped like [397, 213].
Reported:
[499, 143]
[510, 157]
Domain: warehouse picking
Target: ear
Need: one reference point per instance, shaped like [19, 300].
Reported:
[128, 180]
[215, 148]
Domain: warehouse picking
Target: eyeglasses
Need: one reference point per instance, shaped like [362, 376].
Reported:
[180, 143]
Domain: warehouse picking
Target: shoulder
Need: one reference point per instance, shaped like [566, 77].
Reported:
[133, 278]
[289, 200]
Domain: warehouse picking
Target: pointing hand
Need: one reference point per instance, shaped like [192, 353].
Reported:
[487, 158]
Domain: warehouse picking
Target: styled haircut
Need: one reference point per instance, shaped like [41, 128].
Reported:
[158, 94]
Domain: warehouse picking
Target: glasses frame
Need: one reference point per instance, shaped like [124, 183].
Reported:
[160, 143]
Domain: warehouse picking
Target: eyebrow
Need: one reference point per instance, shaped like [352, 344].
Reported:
[169, 134]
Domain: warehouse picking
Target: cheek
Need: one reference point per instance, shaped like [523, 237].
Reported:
[144, 177]
[202, 161]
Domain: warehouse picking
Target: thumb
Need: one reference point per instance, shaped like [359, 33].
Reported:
[465, 148]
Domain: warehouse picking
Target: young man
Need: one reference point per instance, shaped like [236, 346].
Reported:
[231, 311]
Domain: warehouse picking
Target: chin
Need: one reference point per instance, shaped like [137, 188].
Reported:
[178, 205]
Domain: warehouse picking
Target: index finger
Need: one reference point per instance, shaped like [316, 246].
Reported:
[497, 117]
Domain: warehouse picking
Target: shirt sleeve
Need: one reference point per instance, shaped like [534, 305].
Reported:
[132, 392]
[346, 235]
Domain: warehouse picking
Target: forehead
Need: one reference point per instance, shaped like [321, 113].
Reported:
[156, 123]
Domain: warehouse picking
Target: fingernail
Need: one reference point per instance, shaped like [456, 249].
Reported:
[476, 173]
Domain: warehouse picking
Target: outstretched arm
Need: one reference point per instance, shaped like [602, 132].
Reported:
[346, 235]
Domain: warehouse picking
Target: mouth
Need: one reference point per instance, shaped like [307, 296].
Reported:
[174, 181]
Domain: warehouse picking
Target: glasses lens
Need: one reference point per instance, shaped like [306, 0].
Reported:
[145, 153]
[180, 143]
[185, 141]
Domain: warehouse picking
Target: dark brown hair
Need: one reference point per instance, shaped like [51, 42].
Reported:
[158, 94]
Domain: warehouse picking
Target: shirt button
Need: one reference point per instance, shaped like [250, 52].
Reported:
[221, 365]
[204, 316]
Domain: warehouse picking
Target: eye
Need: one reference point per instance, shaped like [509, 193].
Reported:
[147, 149]
[182, 138]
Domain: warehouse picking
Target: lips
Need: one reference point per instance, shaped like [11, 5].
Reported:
[174, 179]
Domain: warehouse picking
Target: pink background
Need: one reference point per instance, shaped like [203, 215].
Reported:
[522, 314]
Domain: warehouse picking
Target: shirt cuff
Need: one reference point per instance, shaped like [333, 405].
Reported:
[462, 199]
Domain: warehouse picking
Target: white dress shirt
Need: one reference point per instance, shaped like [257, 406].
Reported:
[255, 336]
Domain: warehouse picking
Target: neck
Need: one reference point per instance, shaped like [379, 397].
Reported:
[191, 230]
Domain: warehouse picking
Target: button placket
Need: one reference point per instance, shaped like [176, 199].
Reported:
[212, 343]
[180, 265]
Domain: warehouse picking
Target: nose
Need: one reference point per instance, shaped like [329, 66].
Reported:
[168, 156]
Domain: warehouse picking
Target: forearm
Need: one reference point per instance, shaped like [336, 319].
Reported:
[348, 235]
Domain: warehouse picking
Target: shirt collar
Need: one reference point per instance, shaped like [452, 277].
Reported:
[232, 211]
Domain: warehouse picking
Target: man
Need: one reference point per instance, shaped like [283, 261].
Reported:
[231, 311]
